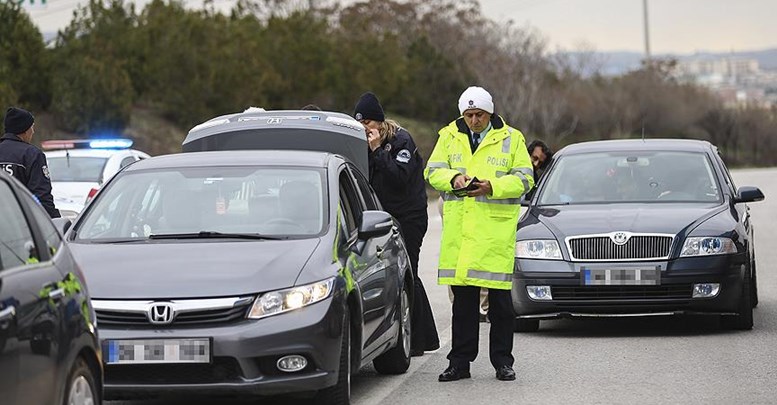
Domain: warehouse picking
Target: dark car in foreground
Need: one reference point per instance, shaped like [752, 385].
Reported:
[49, 353]
[636, 228]
[243, 273]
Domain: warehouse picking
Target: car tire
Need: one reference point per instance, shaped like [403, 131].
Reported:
[527, 325]
[397, 359]
[743, 321]
[80, 388]
[340, 393]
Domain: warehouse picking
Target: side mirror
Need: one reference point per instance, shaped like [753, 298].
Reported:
[375, 223]
[525, 202]
[62, 224]
[747, 194]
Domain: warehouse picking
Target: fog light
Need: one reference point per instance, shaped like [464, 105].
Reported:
[539, 292]
[706, 290]
[292, 364]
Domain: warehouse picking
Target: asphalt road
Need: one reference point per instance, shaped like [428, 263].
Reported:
[656, 360]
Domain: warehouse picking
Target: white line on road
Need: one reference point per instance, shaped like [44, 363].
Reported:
[385, 390]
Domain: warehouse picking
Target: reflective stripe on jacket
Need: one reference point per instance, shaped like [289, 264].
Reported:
[478, 234]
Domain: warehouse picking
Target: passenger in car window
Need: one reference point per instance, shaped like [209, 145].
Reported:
[396, 175]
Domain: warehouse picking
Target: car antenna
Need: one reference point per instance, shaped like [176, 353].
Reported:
[643, 130]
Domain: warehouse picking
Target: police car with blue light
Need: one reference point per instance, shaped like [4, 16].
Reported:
[78, 167]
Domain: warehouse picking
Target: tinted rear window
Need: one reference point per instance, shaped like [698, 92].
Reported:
[84, 169]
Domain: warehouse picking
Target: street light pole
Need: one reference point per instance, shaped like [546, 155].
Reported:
[647, 31]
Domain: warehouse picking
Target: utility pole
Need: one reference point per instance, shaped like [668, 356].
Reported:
[647, 31]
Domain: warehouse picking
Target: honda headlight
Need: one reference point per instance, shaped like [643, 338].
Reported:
[537, 249]
[277, 302]
[705, 246]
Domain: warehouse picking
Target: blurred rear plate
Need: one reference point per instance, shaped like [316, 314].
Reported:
[163, 351]
[621, 276]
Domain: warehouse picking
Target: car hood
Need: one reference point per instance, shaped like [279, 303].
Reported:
[565, 221]
[191, 269]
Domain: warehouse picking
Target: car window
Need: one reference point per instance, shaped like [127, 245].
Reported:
[624, 177]
[50, 233]
[76, 169]
[126, 162]
[349, 204]
[17, 247]
[370, 202]
[730, 180]
[248, 200]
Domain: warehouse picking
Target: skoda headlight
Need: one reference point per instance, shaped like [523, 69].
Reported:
[705, 246]
[537, 249]
[277, 302]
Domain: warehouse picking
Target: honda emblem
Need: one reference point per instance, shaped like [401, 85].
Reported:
[161, 314]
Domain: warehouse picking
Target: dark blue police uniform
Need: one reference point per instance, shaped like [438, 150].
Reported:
[27, 164]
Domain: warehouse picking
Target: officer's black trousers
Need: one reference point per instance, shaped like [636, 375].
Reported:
[466, 327]
[424, 336]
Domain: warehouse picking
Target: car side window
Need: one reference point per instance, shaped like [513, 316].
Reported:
[17, 247]
[349, 203]
[726, 173]
[50, 234]
[368, 197]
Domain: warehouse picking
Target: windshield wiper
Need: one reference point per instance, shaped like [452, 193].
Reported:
[213, 235]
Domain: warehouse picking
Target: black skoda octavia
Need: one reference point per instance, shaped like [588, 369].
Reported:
[636, 228]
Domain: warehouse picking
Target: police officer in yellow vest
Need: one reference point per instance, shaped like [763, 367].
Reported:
[478, 234]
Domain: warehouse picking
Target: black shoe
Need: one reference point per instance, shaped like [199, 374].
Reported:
[453, 374]
[505, 373]
[416, 353]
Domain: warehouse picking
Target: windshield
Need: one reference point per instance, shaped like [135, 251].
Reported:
[77, 169]
[231, 200]
[623, 177]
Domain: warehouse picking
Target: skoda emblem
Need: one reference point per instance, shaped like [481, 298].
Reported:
[161, 314]
[619, 238]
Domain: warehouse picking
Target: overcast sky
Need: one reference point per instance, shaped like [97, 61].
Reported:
[676, 26]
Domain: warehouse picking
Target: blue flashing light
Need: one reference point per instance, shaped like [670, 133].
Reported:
[117, 143]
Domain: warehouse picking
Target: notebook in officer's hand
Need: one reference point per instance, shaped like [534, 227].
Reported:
[462, 192]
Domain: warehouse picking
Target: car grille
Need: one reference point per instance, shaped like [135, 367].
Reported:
[640, 247]
[223, 369]
[200, 317]
[593, 293]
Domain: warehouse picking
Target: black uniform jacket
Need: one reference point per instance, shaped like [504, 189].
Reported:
[397, 175]
[27, 164]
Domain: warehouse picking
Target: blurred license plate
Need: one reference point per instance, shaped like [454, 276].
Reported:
[157, 351]
[621, 276]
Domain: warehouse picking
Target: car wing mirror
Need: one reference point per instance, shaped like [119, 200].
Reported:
[375, 223]
[62, 224]
[747, 194]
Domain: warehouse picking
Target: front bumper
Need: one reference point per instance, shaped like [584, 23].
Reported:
[672, 296]
[244, 356]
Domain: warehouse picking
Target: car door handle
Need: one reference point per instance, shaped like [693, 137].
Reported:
[7, 313]
[57, 294]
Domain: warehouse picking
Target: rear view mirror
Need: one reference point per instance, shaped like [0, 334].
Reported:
[747, 194]
[375, 223]
[62, 224]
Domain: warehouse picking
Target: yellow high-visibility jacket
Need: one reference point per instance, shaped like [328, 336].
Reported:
[478, 233]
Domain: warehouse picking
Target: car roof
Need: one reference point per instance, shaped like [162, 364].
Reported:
[258, 118]
[259, 129]
[104, 153]
[674, 145]
[235, 158]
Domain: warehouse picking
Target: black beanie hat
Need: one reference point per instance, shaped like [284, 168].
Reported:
[17, 120]
[368, 108]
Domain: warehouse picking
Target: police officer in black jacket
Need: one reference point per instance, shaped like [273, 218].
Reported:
[24, 161]
[396, 175]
